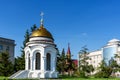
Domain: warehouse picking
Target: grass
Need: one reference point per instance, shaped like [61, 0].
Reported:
[63, 78]
[3, 78]
[91, 78]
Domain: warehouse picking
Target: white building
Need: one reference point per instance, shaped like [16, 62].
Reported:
[40, 56]
[95, 58]
[9, 46]
[107, 52]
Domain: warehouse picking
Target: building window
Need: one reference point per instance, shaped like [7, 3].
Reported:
[48, 66]
[1, 47]
[38, 61]
[8, 48]
[29, 61]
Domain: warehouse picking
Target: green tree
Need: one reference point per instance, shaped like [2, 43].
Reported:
[104, 70]
[58, 60]
[70, 66]
[115, 67]
[33, 28]
[61, 62]
[116, 56]
[90, 69]
[84, 67]
[20, 61]
[6, 66]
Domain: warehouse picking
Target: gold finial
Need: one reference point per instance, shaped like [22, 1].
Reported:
[41, 14]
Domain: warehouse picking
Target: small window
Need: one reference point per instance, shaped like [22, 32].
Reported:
[8, 48]
[48, 60]
[1, 47]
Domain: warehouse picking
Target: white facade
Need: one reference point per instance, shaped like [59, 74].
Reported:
[95, 58]
[40, 58]
[107, 52]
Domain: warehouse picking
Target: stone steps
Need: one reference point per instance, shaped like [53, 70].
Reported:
[15, 74]
[19, 74]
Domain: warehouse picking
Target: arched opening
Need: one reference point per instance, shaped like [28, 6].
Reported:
[28, 61]
[48, 61]
[38, 61]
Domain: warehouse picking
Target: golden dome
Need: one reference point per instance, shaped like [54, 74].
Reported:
[41, 32]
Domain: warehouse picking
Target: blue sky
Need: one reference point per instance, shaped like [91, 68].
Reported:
[78, 22]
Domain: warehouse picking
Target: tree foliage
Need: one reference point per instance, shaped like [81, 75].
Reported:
[70, 66]
[84, 67]
[114, 65]
[105, 71]
[6, 66]
[61, 61]
[65, 64]
[20, 61]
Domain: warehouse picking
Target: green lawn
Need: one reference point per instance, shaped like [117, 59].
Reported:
[77, 78]
[66, 78]
[92, 79]
[3, 78]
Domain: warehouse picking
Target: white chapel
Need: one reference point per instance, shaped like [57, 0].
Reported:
[40, 56]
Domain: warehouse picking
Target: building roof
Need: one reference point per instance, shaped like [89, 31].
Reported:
[41, 32]
[75, 61]
[68, 51]
[114, 40]
[7, 41]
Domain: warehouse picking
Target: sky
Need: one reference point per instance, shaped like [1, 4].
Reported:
[78, 22]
